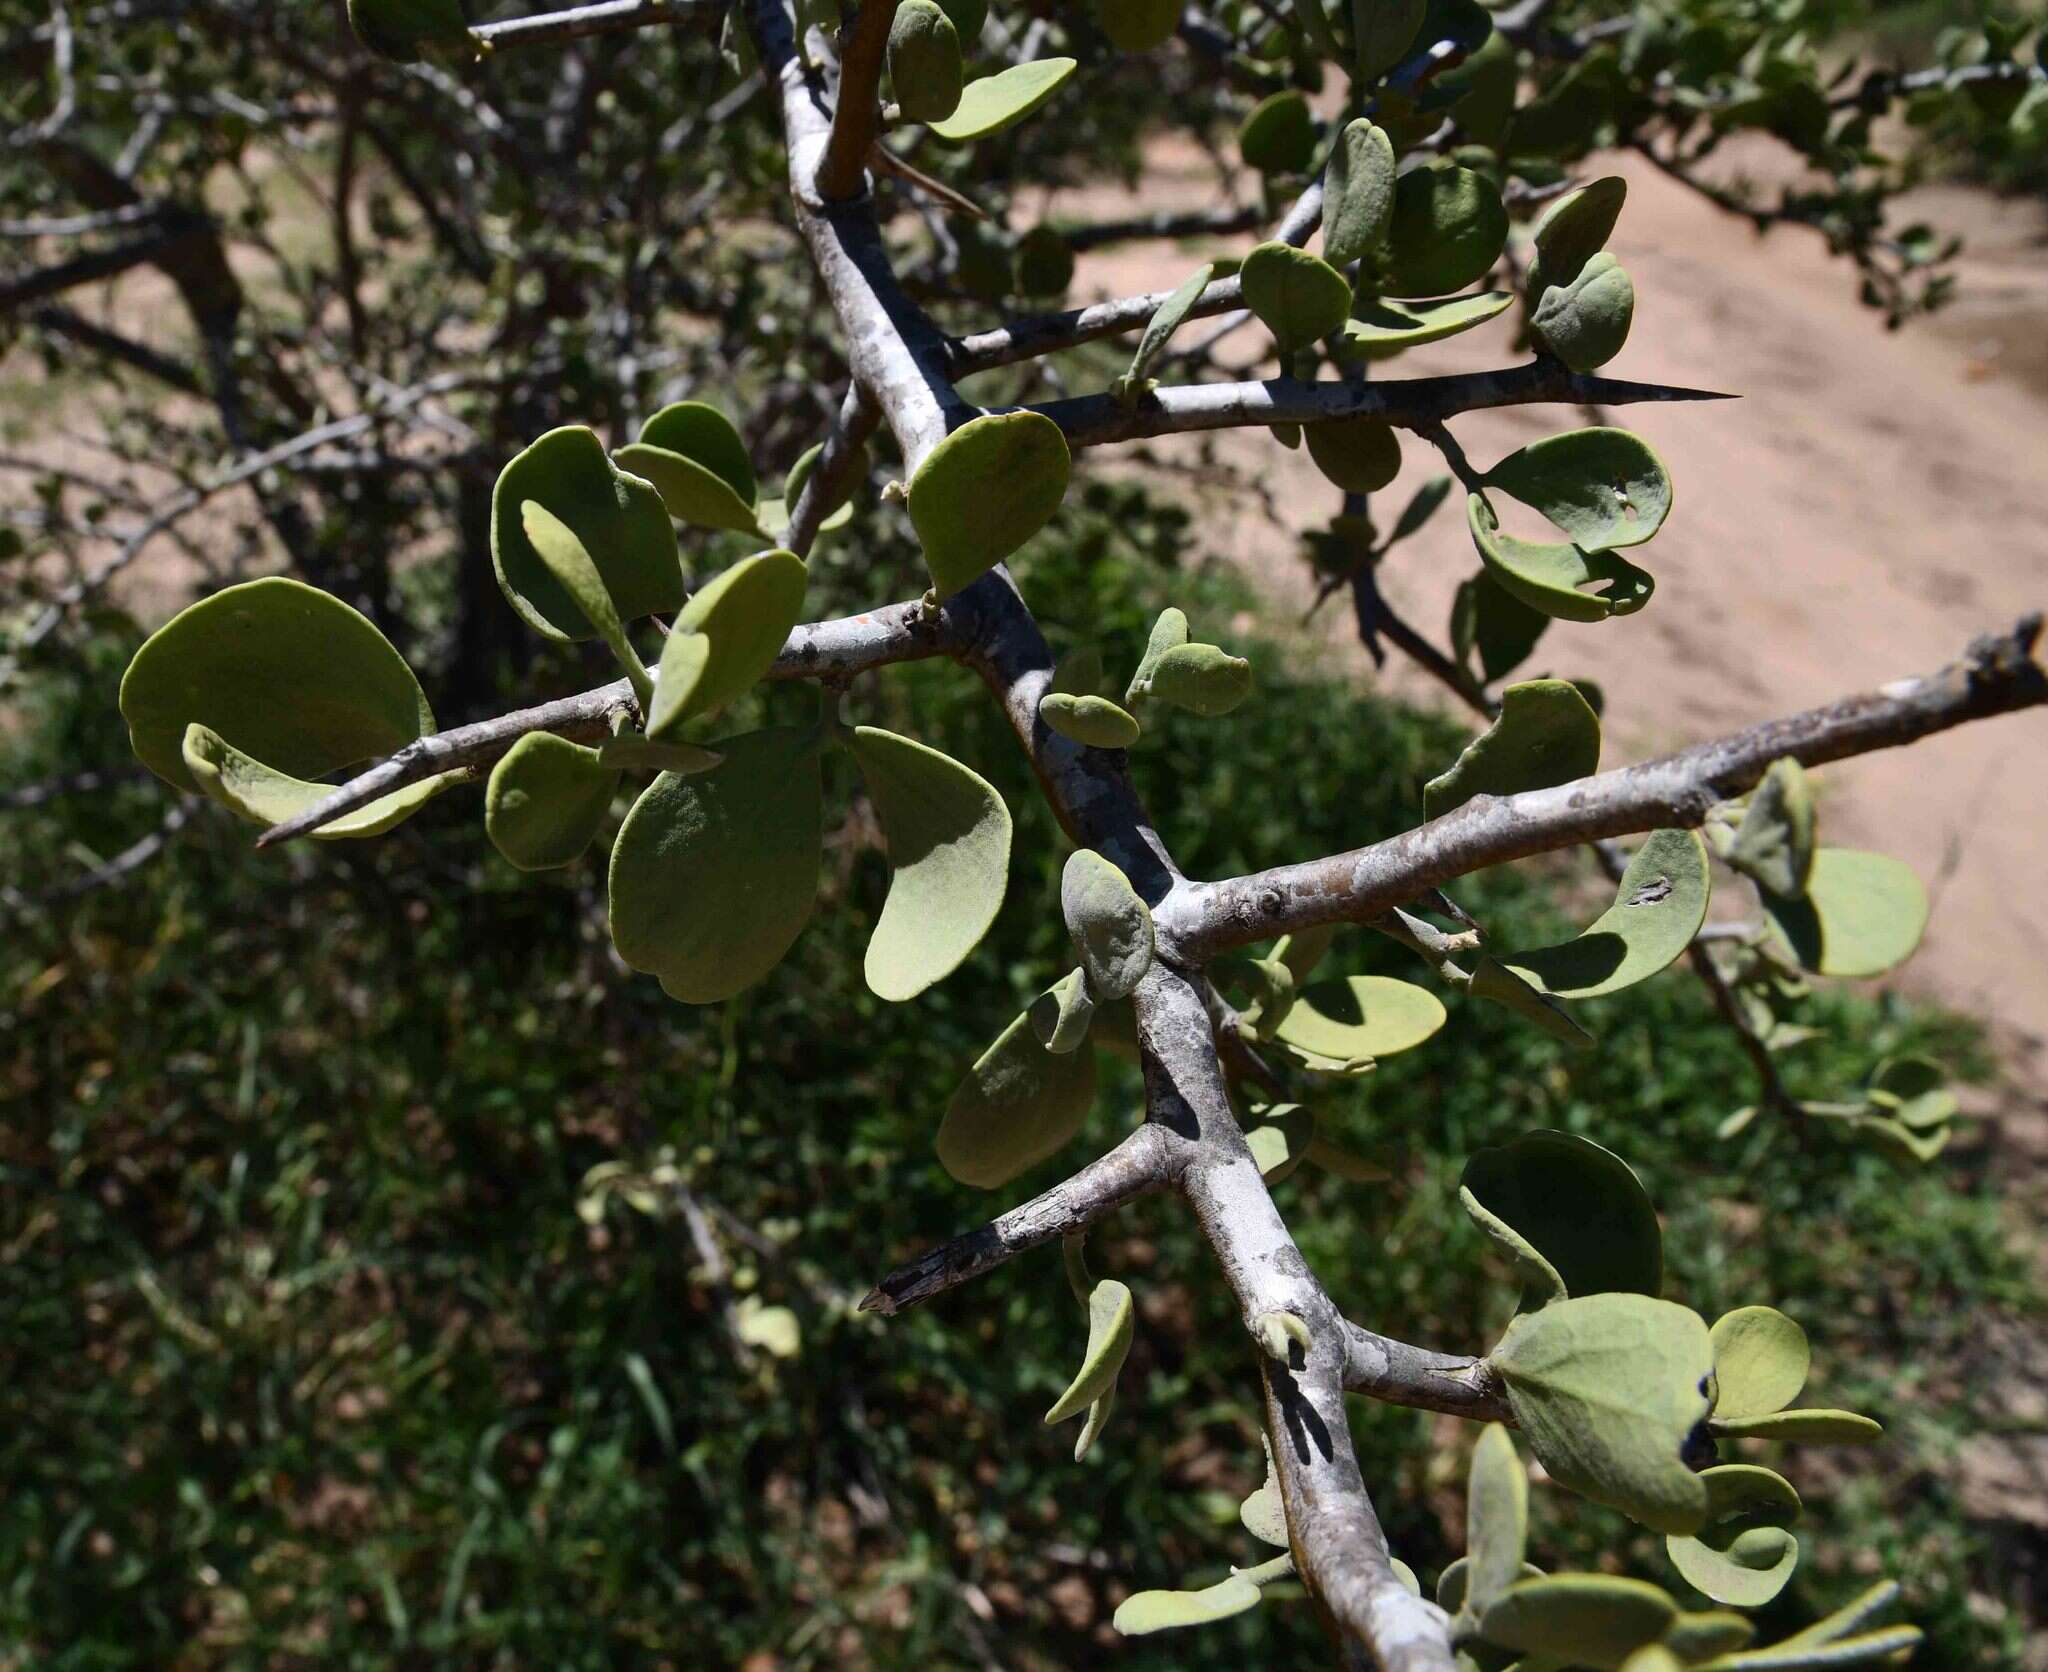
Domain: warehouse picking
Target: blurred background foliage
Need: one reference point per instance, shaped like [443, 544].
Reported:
[317, 1347]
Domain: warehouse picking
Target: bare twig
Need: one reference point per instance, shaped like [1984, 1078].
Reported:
[608, 17]
[856, 112]
[1401, 1374]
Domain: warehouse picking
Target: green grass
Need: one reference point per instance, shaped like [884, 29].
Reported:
[313, 1361]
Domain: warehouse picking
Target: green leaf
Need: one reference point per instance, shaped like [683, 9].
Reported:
[1450, 1584]
[1899, 1142]
[1381, 325]
[840, 512]
[1914, 1090]
[630, 749]
[1109, 923]
[1547, 578]
[949, 854]
[1810, 1427]
[1382, 31]
[1878, 1646]
[1298, 297]
[1447, 230]
[618, 518]
[1044, 262]
[280, 671]
[1199, 678]
[1279, 1140]
[1017, 1105]
[1279, 136]
[996, 102]
[1138, 25]
[567, 560]
[1060, 1015]
[1079, 674]
[1502, 628]
[1574, 229]
[1144, 1612]
[1658, 907]
[1573, 1217]
[1168, 632]
[774, 1329]
[1112, 1319]
[1092, 1427]
[1774, 843]
[1604, 487]
[984, 491]
[1609, 1389]
[399, 29]
[1483, 89]
[1742, 1556]
[713, 877]
[1496, 1519]
[1585, 323]
[1583, 1619]
[691, 492]
[1760, 1362]
[1264, 1513]
[1361, 1018]
[1862, 914]
[1702, 1636]
[1359, 455]
[740, 622]
[1166, 319]
[1545, 735]
[969, 17]
[924, 62]
[1358, 192]
[1094, 721]
[545, 801]
[1497, 984]
[1846, 1621]
[266, 796]
[699, 432]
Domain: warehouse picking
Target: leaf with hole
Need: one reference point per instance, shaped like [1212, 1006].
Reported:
[1017, 1105]
[545, 800]
[618, 518]
[949, 857]
[1381, 325]
[1297, 296]
[1358, 192]
[713, 877]
[1862, 914]
[924, 62]
[1604, 487]
[985, 490]
[1609, 1389]
[1111, 1321]
[1109, 923]
[742, 618]
[1446, 232]
[1572, 1217]
[281, 672]
[1548, 578]
[999, 101]
[1545, 735]
[1658, 907]
[1586, 322]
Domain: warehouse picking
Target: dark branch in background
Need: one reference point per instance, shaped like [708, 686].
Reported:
[1198, 223]
[1997, 675]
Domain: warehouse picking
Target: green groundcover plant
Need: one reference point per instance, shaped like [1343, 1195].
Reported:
[740, 730]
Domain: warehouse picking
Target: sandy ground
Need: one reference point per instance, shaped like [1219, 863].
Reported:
[1869, 505]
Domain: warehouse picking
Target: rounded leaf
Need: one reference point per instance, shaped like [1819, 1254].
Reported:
[1264, 1513]
[1604, 487]
[949, 854]
[1545, 734]
[1044, 262]
[1297, 296]
[265, 796]
[1112, 1320]
[692, 492]
[1201, 679]
[1585, 323]
[1862, 914]
[1381, 325]
[1018, 1104]
[1168, 632]
[1574, 228]
[285, 674]
[1358, 192]
[1547, 578]
[1360, 455]
[1760, 1361]
[1496, 1518]
[998, 101]
[1658, 907]
[1094, 721]
[701, 433]
[1360, 1018]
[1138, 25]
[1446, 231]
[545, 800]
[1144, 1612]
[924, 62]
[1583, 1619]
[1703, 1636]
[739, 622]
[1279, 136]
[984, 491]
[619, 519]
[1109, 923]
[714, 876]
[1609, 1390]
[1280, 1139]
[1735, 1560]
[1573, 1216]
